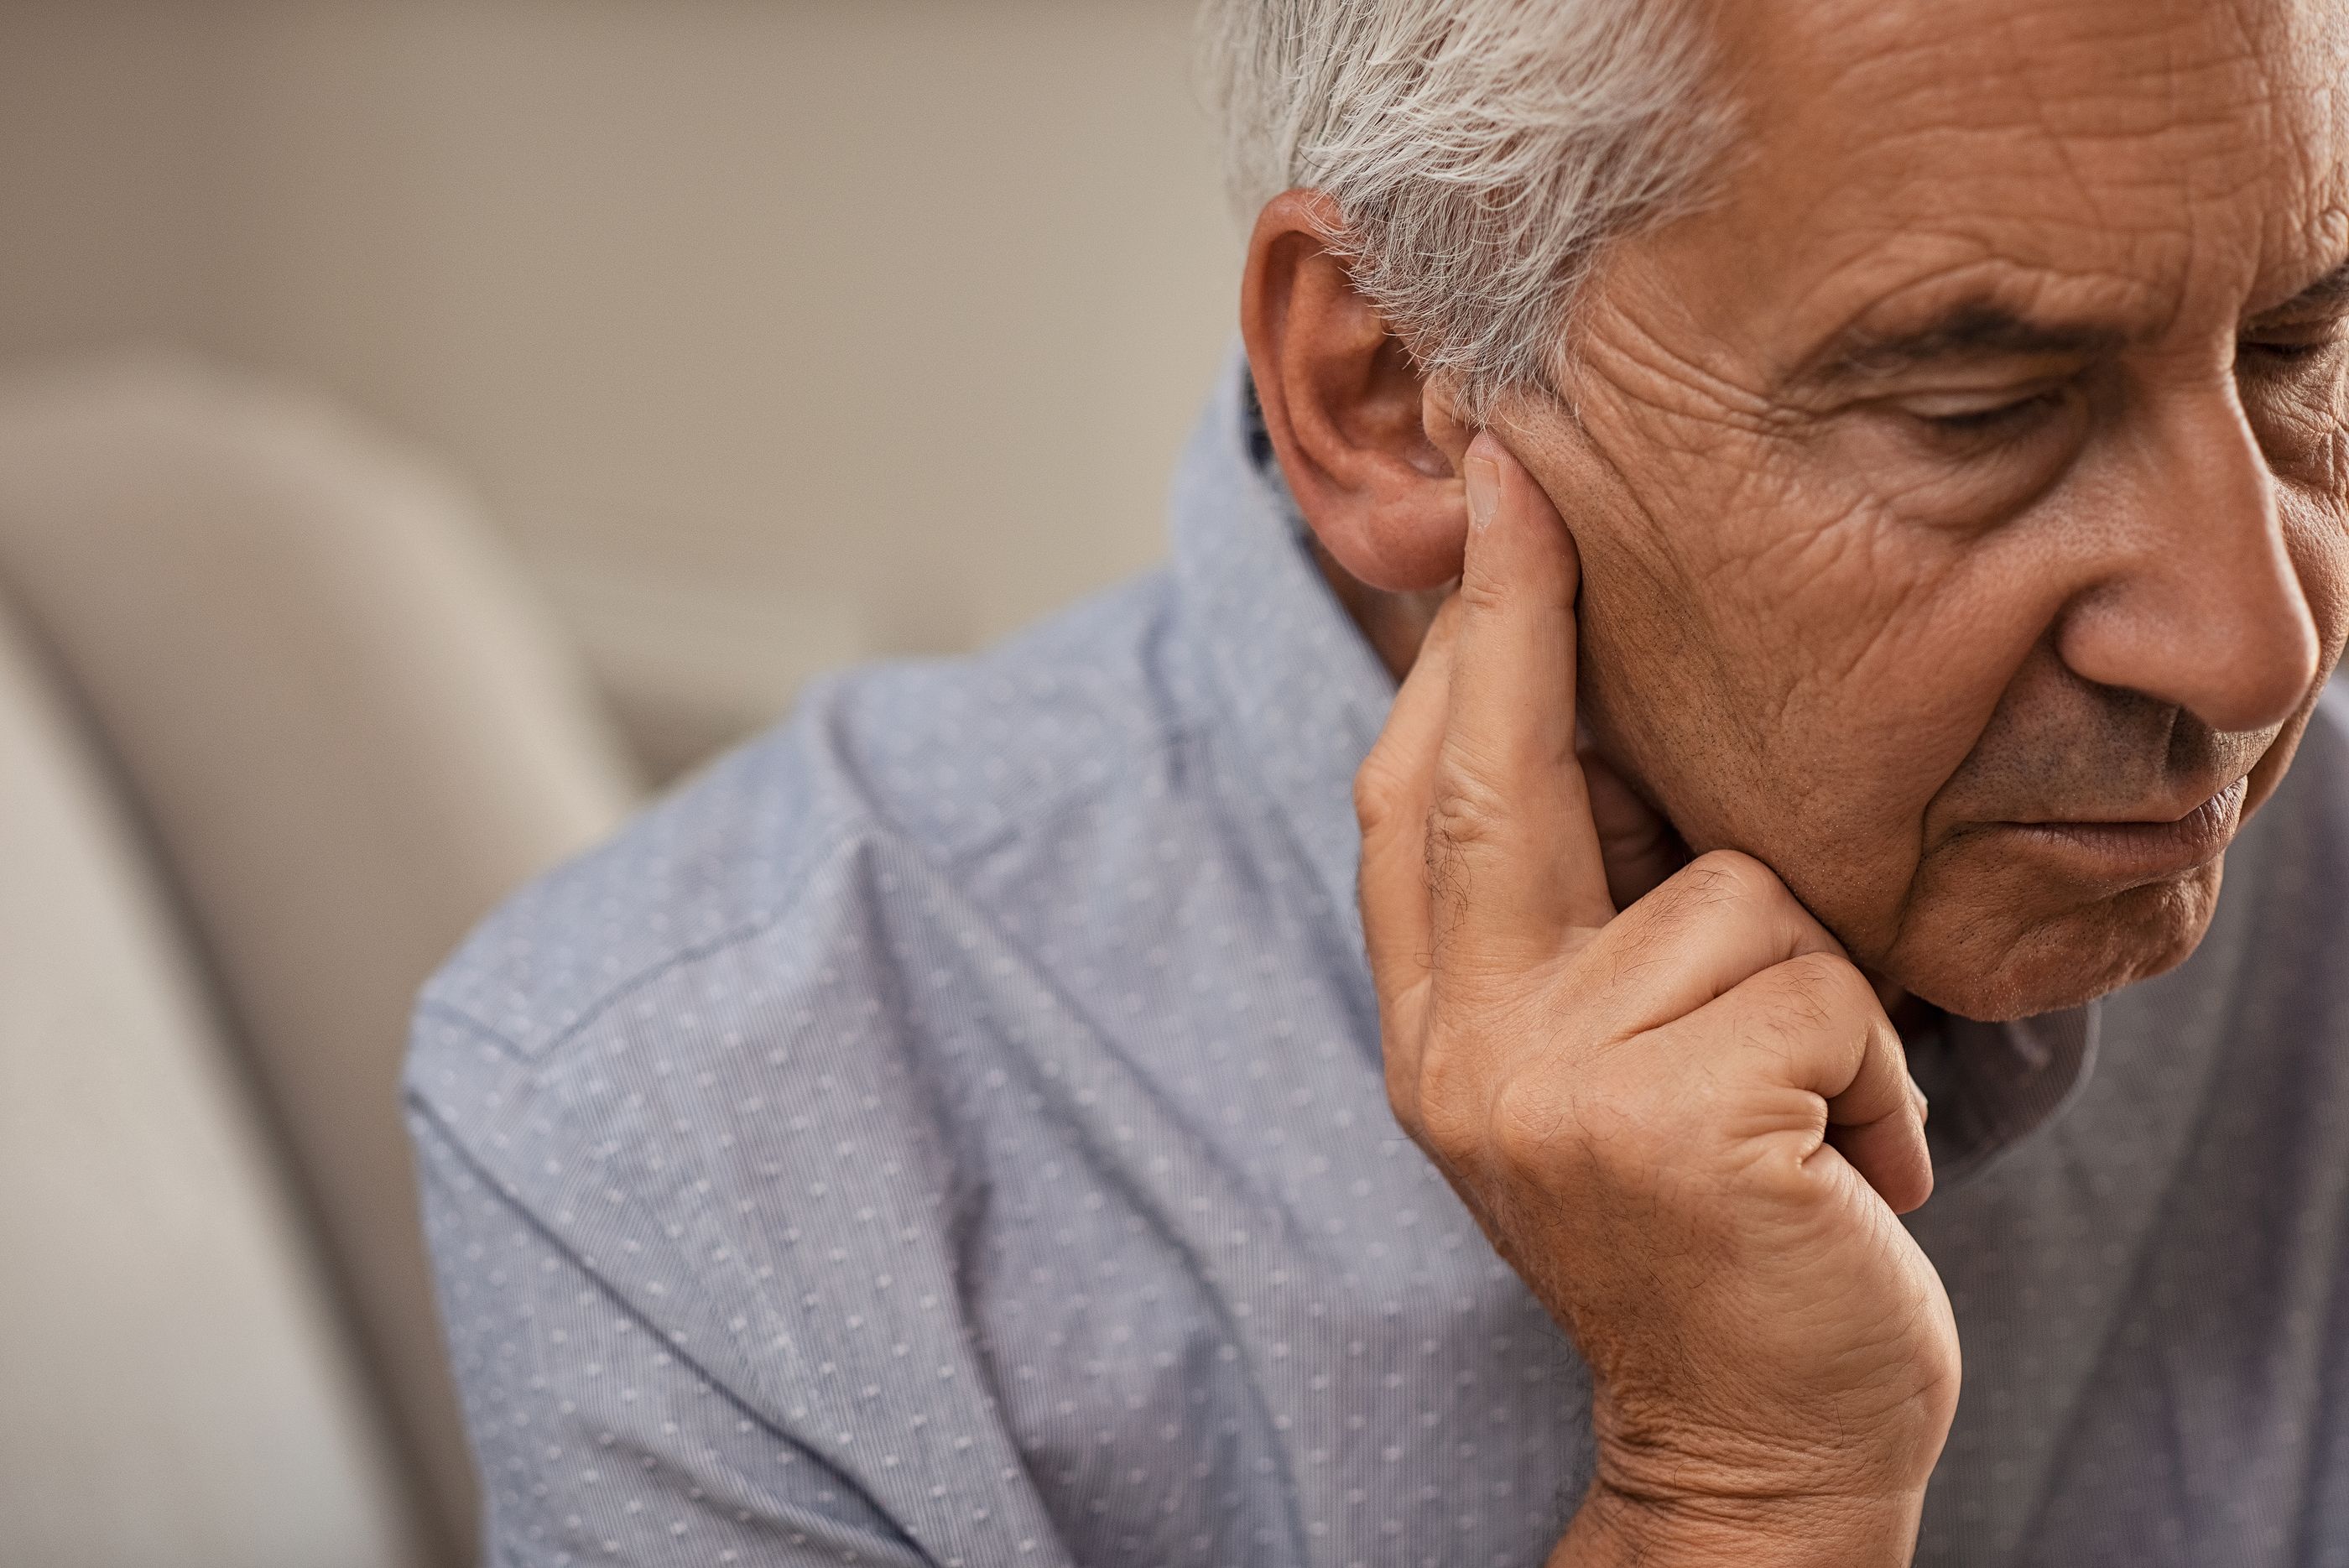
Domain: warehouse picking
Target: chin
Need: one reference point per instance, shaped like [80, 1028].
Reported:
[2020, 960]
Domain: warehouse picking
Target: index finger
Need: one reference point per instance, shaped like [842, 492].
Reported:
[1510, 828]
[1392, 793]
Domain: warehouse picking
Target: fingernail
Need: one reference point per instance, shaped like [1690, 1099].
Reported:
[1483, 476]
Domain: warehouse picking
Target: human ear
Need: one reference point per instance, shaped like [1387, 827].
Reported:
[1370, 452]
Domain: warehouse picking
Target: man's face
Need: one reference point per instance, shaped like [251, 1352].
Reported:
[1961, 498]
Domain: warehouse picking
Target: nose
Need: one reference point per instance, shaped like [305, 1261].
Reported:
[2195, 602]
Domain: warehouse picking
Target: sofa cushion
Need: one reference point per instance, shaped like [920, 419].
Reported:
[180, 1389]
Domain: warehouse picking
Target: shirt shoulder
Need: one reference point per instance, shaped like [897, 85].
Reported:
[945, 761]
[740, 1083]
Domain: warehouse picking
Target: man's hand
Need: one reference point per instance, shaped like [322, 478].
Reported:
[1689, 1125]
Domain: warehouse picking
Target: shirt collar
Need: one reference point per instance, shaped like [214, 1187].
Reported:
[1299, 689]
[1991, 1085]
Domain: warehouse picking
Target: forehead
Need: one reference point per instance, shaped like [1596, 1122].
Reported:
[2149, 152]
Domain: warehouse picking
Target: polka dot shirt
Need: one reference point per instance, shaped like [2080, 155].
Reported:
[951, 1132]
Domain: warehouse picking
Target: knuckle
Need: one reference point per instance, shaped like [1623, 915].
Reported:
[1602, 1146]
[1535, 1136]
[1379, 794]
[1465, 808]
[1444, 1126]
[1729, 876]
[1826, 977]
[1455, 1105]
[1814, 991]
[1481, 593]
[1528, 1120]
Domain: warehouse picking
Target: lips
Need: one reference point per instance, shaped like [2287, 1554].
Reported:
[2147, 850]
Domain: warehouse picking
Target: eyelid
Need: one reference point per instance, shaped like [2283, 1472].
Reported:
[2303, 334]
[2302, 317]
[2290, 346]
[1962, 404]
[1952, 407]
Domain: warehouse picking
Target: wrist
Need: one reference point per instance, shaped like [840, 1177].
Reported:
[1614, 1529]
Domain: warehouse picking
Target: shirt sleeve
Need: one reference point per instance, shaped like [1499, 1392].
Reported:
[595, 1442]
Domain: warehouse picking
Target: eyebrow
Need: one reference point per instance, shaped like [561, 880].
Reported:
[1978, 330]
[1986, 330]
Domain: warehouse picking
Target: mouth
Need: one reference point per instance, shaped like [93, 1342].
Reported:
[2134, 852]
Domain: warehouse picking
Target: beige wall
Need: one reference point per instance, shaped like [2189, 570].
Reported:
[776, 332]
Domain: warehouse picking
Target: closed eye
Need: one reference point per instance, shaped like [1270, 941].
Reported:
[2285, 351]
[1997, 414]
[1991, 418]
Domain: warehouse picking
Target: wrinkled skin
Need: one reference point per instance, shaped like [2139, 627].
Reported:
[1972, 466]
[1944, 529]
[1859, 644]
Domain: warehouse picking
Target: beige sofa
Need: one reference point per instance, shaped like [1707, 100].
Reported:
[276, 724]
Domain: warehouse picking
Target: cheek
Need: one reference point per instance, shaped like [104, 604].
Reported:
[1908, 645]
[1793, 674]
[1855, 655]
[1674, 670]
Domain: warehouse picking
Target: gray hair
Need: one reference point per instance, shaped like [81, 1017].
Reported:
[1480, 152]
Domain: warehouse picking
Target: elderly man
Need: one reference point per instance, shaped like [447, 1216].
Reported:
[1856, 491]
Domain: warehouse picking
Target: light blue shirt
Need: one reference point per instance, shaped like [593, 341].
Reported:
[951, 1132]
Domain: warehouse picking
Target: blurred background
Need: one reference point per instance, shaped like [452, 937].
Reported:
[426, 427]
[769, 332]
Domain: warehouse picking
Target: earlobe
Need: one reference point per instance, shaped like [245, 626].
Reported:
[1370, 453]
